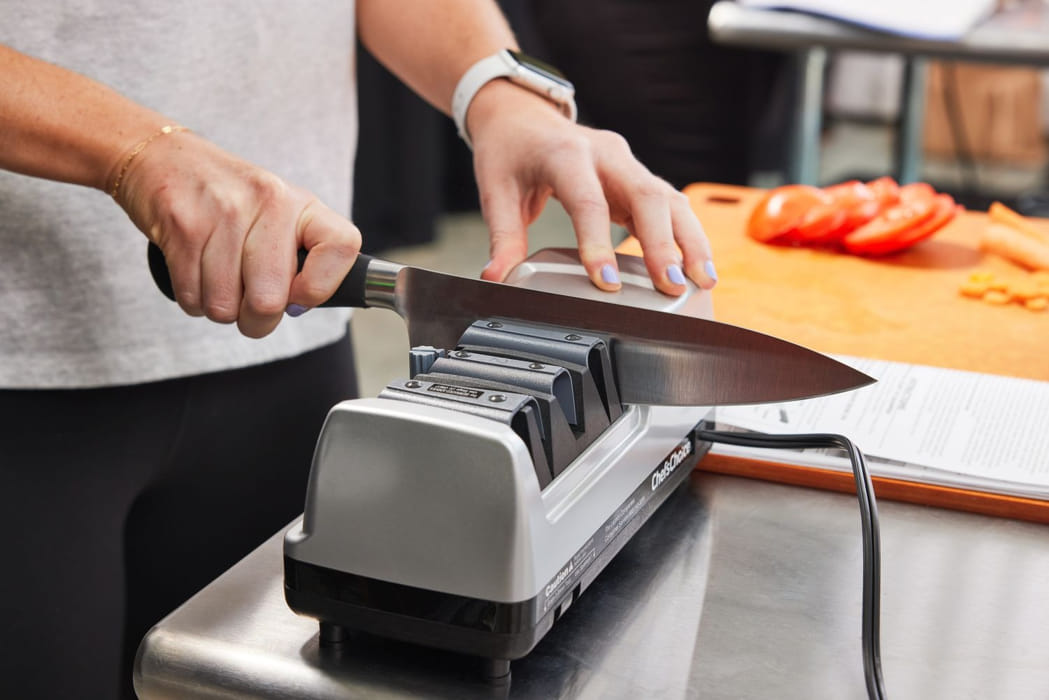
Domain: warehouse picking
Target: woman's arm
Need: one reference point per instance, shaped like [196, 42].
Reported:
[525, 150]
[229, 229]
[61, 125]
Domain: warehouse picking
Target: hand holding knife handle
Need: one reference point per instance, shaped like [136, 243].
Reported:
[369, 283]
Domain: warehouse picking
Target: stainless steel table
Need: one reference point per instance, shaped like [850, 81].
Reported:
[735, 589]
[1017, 35]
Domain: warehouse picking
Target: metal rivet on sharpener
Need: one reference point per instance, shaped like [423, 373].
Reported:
[573, 336]
[494, 324]
[535, 365]
[460, 353]
[413, 384]
[497, 398]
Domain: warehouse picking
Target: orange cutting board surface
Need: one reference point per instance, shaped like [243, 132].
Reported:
[904, 307]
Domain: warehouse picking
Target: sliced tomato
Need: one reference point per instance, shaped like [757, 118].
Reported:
[874, 218]
[888, 225]
[819, 224]
[778, 215]
[943, 211]
[858, 204]
[916, 191]
[913, 197]
[886, 190]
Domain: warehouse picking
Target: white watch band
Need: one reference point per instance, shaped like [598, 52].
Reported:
[503, 65]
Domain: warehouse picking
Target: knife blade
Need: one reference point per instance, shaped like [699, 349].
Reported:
[659, 358]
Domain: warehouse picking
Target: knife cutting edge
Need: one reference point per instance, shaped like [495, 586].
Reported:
[659, 357]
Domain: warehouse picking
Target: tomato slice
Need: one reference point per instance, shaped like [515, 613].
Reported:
[819, 224]
[872, 218]
[916, 191]
[888, 225]
[886, 191]
[779, 214]
[914, 197]
[943, 211]
[858, 204]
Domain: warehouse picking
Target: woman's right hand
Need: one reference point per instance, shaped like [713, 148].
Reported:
[230, 232]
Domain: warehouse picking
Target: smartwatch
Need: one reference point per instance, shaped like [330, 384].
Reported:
[530, 73]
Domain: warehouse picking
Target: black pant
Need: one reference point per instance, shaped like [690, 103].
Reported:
[118, 504]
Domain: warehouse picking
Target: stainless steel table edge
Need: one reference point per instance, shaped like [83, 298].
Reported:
[735, 589]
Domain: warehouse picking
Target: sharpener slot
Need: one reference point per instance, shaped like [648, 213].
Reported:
[520, 412]
[526, 374]
[555, 345]
[586, 358]
[562, 381]
[559, 440]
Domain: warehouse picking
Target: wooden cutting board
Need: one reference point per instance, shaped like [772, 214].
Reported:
[904, 307]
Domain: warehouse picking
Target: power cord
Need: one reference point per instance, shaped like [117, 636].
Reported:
[871, 534]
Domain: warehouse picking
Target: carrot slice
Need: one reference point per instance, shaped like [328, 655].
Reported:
[1037, 304]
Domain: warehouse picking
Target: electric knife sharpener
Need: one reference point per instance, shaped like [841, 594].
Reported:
[467, 508]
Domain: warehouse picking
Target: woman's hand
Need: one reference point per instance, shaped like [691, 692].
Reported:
[525, 150]
[230, 232]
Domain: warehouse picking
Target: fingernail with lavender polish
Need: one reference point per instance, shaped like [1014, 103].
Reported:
[609, 274]
[294, 310]
[708, 267]
[674, 274]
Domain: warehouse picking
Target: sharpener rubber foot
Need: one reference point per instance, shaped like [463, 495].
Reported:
[332, 635]
[496, 671]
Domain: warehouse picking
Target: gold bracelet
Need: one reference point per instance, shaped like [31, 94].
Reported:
[139, 147]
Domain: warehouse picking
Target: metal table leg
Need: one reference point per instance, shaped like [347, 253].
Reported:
[808, 116]
[912, 114]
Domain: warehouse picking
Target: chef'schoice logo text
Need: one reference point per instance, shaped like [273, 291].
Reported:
[671, 463]
[561, 577]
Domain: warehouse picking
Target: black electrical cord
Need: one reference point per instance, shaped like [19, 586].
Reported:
[871, 534]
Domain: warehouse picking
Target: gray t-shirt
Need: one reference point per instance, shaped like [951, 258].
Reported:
[268, 80]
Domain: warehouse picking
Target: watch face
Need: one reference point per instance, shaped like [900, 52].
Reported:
[544, 69]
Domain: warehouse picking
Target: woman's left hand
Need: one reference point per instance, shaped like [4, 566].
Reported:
[525, 150]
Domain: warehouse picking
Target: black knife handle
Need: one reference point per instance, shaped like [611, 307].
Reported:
[351, 291]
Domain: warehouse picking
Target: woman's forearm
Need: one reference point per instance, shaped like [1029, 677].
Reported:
[429, 44]
[60, 125]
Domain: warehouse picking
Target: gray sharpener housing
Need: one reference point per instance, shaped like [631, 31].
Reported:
[406, 500]
[429, 525]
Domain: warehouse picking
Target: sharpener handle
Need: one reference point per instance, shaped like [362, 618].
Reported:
[359, 289]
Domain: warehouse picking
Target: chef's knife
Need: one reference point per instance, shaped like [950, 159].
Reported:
[659, 357]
